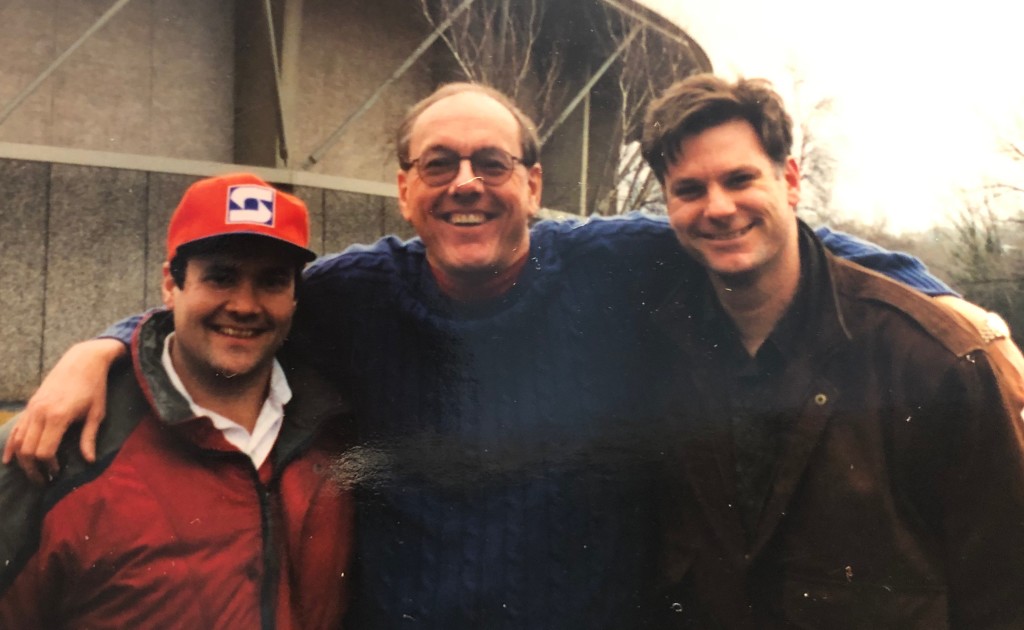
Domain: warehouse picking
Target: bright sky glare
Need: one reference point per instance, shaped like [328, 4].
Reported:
[922, 90]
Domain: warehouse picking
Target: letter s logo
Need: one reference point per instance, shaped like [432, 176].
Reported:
[251, 204]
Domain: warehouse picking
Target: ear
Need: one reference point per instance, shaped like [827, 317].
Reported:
[535, 184]
[403, 195]
[167, 287]
[792, 175]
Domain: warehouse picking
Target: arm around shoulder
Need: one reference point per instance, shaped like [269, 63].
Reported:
[899, 266]
[75, 389]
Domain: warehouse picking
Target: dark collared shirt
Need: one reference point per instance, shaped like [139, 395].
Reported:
[750, 390]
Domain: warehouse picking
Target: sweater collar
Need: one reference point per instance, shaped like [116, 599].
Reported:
[539, 275]
[497, 285]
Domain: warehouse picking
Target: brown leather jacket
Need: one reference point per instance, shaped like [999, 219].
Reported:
[898, 496]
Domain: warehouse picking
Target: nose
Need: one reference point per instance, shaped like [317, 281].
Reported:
[244, 299]
[720, 203]
[466, 182]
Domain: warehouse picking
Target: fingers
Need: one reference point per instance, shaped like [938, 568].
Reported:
[13, 442]
[87, 443]
[26, 453]
[36, 437]
[75, 388]
[45, 452]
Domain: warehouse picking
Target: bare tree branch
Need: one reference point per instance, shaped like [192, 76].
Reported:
[495, 43]
[648, 65]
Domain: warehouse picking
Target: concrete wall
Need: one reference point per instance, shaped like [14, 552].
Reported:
[149, 82]
[23, 220]
[81, 246]
[347, 50]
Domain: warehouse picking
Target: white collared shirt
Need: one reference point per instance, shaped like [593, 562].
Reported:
[258, 444]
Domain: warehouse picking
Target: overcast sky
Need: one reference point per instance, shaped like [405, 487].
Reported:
[922, 90]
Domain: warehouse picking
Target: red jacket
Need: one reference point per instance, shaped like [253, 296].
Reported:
[174, 527]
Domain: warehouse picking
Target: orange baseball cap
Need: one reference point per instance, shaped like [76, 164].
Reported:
[238, 203]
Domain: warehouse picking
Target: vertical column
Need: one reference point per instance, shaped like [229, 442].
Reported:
[257, 99]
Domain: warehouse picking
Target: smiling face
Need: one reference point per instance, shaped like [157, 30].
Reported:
[231, 315]
[731, 207]
[471, 230]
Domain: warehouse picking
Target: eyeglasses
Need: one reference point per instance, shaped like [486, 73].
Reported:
[439, 166]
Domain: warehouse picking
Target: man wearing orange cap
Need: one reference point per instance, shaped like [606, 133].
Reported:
[207, 507]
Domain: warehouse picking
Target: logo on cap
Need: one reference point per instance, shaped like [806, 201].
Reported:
[251, 204]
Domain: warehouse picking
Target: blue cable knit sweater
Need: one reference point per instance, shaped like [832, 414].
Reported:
[505, 466]
[503, 475]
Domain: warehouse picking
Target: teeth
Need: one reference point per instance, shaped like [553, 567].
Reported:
[729, 235]
[237, 332]
[467, 218]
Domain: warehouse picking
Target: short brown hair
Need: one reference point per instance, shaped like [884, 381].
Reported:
[527, 129]
[702, 101]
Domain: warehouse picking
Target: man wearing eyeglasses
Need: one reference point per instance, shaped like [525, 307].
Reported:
[504, 473]
[471, 214]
